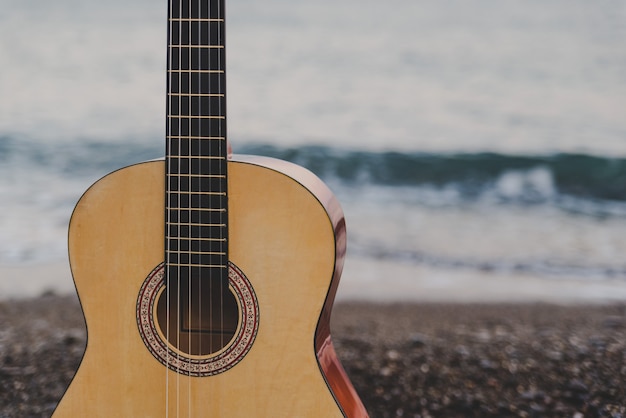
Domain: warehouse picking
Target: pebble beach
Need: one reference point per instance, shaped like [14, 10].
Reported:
[405, 359]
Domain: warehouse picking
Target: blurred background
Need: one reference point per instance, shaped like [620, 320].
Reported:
[478, 147]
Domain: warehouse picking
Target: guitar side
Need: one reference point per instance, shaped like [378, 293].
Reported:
[286, 235]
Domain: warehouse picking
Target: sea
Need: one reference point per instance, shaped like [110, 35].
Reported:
[464, 138]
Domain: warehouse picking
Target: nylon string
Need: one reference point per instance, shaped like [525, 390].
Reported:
[190, 278]
[199, 204]
[223, 184]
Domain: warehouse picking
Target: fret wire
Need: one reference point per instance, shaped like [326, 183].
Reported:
[197, 265]
[212, 176]
[195, 117]
[198, 157]
[196, 252]
[193, 19]
[197, 71]
[196, 138]
[199, 209]
[198, 193]
[194, 224]
[181, 239]
[197, 46]
[197, 94]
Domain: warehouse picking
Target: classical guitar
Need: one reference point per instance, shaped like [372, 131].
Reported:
[207, 280]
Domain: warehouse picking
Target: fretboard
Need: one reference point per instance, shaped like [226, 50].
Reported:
[196, 151]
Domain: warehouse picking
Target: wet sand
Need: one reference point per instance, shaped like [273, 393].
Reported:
[405, 359]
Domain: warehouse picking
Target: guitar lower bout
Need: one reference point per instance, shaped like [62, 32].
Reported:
[274, 357]
[197, 353]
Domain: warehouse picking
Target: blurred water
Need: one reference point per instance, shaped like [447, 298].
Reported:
[511, 76]
[506, 118]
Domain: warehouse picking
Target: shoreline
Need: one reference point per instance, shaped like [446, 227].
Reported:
[409, 283]
[362, 280]
[26, 281]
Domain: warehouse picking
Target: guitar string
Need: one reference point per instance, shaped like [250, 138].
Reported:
[223, 184]
[191, 206]
[168, 203]
[189, 278]
[200, 189]
[210, 12]
[210, 133]
[179, 240]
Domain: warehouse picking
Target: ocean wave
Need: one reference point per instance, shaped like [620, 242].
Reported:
[535, 177]
[588, 184]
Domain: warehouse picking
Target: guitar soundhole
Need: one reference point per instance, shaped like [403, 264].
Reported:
[200, 320]
[205, 339]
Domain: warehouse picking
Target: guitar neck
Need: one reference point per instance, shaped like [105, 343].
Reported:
[196, 150]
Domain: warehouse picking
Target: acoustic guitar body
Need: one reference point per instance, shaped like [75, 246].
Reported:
[287, 242]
